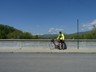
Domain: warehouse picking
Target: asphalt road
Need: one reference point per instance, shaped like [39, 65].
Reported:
[32, 62]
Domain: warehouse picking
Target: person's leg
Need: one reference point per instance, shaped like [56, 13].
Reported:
[65, 46]
[62, 42]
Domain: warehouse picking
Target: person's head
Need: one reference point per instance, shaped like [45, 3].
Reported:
[60, 32]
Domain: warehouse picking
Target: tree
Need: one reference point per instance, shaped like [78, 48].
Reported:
[7, 32]
[26, 35]
[94, 32]
[2, 35]
[15, 35]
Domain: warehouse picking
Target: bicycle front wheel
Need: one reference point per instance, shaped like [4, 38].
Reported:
[51, 46]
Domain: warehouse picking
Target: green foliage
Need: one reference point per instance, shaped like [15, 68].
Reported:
[2, 35]
[26, 35]
[36, 37]
[4, 30]
[7, 32]
[15, 35]
[91, 34]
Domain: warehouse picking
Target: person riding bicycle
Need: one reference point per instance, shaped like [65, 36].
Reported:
[61, 38]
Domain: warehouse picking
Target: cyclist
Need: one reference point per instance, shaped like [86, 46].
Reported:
[61, 38]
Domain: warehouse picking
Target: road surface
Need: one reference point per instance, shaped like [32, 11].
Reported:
[33, 62]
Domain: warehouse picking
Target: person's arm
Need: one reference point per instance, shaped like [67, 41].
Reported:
[58, 37]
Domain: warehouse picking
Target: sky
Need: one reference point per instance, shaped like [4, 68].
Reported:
[48, 16]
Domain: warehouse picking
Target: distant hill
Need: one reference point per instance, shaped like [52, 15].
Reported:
[8, 32]
[82, 35]
[48, 36]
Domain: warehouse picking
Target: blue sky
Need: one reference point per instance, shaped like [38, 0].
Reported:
[48, 16]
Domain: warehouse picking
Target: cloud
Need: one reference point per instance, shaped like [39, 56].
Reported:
[93, 22]
[54, 30]
[89, 26]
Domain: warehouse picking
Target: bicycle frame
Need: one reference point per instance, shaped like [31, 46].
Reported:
[57, 46]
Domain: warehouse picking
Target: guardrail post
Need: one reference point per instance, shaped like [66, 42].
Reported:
[77, 34]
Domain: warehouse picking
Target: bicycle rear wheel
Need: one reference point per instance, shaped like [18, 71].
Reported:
[51, 46]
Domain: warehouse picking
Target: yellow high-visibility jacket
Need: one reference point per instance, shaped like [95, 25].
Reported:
[61, 37]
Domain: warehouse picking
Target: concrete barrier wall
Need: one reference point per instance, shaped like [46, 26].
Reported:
[44, 43]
